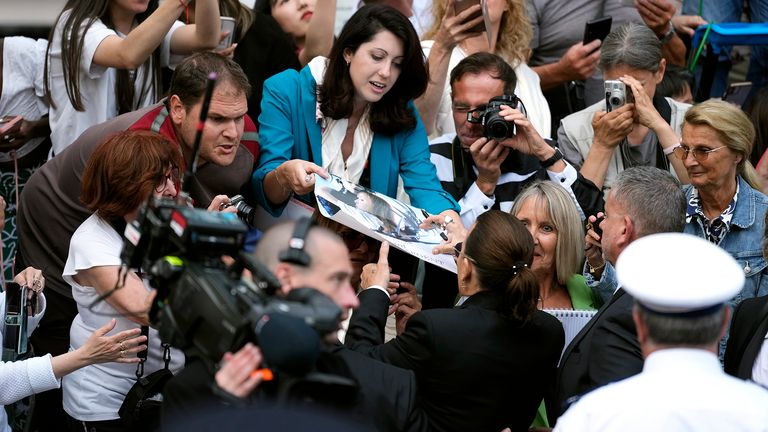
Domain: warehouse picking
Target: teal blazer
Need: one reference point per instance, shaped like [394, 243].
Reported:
[289, 129]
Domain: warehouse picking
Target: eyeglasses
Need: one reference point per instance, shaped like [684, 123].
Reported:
[457, 249]
[700, 155]
[172, 176]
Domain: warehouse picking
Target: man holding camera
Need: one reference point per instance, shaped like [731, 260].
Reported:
[628, 128]
[302, 255]
[51, 210]
[484, 173]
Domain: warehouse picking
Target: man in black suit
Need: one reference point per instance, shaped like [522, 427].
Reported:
[643, 201]
[746, 355]
[314, 257]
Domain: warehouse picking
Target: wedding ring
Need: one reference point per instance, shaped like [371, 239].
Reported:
[448, 220]
[122, 347]
[122, 353]
[308, 178]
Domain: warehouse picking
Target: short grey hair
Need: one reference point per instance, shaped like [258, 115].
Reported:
[633, 45]
[562, 211]
[276, 239]
[682, 331]
[652, 198]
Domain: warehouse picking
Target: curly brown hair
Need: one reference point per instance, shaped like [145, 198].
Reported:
[513, 42]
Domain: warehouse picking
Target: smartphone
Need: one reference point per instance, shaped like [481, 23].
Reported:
[15, 331]
[737, 93]
[227, 25]
[9, 123]
[461, 5]
[595, 226]
[597, 29]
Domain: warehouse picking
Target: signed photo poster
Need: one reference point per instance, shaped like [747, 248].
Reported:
[380, 217]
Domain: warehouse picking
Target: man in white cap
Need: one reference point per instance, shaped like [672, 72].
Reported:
[681, 284]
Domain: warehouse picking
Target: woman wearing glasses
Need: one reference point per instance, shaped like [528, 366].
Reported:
[121, 174]
[486, 364]
[724, 202]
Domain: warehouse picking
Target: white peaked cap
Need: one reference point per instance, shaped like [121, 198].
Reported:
[676, 273]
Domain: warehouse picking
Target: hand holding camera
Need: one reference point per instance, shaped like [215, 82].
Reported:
[593, 251]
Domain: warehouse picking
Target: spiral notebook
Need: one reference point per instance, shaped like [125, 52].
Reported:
[573, 321]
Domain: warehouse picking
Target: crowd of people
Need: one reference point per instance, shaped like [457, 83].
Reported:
[568, 177]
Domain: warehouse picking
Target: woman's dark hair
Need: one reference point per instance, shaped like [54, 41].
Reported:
[382, 210]
[82, 15]
[190, 78]
[674, 82]
[125, 169]
[501, 249]
[391, 114]
[758, 113]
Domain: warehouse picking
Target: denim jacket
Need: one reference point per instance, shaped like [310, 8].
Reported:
[744, 241]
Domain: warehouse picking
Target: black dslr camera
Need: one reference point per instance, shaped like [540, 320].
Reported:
[494, 125]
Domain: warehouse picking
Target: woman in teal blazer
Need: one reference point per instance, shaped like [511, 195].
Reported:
[362, 105]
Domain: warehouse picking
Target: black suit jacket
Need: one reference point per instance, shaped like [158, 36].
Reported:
[604, 351]
[476, 370]
[385, 399]
[748, 328]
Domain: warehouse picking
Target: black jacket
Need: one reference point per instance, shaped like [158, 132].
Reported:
[604, 351]
[748, 328]
[477, 371]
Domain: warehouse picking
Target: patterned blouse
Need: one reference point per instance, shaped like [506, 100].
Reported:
[714, 230]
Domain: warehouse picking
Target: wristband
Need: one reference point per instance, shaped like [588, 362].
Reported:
[551, 161]
[669, 150]
[668, 35]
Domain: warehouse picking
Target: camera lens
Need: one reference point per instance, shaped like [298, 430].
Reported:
[497, 129]
[245, 212]
[616, 99]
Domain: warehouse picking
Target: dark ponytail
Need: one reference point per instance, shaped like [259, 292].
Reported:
[501, 249]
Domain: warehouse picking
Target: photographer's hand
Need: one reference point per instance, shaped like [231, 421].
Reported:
[527, 139]
[220, 203]
[488, 156]
[610, 129]
[238, 373]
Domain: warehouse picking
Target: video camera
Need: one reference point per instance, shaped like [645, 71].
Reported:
[201, 304]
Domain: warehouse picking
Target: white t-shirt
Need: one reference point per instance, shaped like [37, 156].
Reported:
[95, 393]
[23, 91]
[97, 84]
[20, 379]
[528, 90]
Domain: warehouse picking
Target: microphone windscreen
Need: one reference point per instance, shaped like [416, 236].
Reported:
[288, 344]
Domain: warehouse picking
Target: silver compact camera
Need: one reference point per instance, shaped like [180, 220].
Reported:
[616, 95]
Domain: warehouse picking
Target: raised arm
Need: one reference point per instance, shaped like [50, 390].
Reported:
[133, 50]
[319, 38]
[578, 63]
[453, 29]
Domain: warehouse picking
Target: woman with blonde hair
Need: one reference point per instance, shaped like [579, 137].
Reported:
[725, 205]
[452, 37]
[550, 215]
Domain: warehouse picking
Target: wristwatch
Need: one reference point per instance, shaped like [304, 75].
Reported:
[669, 35]
[552, 160]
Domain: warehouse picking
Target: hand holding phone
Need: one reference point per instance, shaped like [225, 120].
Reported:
[227, 26]
[462, 5]
[597, 29]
